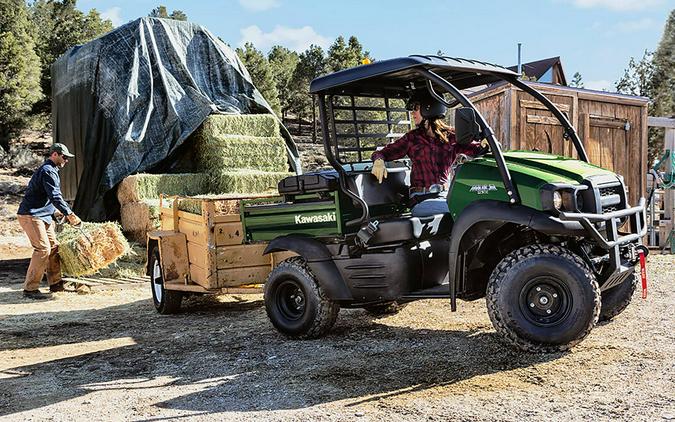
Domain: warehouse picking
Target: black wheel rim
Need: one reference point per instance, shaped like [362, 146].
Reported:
[290, 300]
[545, 301]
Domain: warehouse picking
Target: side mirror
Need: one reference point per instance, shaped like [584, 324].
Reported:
[467, 128]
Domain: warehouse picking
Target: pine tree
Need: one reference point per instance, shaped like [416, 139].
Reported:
[261, 74]
[343, 55]
[311, 64]
[663, 79]
[19, 69]
[577, 82]
[282, 64]
[59, 25]
[663, 84]
[161, 12]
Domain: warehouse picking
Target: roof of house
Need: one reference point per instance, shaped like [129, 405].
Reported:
[538, 68]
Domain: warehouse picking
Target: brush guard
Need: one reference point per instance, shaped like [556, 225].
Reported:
[626, 246]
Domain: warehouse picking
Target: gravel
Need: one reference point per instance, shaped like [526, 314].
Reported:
[109, 356]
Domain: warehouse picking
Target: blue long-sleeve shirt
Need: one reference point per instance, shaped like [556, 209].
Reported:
[43, 194]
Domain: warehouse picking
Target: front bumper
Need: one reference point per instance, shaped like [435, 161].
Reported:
[612, 240]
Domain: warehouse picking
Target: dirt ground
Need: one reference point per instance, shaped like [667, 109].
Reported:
[109, 356]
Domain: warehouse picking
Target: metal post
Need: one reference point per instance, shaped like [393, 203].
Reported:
[520, 63]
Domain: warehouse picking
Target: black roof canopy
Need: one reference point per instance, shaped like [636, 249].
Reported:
[395, 75]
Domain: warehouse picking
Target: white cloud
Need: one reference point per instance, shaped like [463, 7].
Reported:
[618, 5]
[298, 39]
[601, 85]
[635, 26]
[114, 15]
[259, 5]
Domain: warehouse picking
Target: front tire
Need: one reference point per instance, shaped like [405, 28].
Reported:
[295, 303]
[543, 298]
[617, 299]
[165, 301]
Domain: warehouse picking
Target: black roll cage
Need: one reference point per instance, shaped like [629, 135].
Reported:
[488, 133]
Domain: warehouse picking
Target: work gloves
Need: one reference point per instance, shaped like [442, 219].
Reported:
[73, 220]
[379, 171]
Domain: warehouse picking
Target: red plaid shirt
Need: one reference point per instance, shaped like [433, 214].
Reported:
[431, 158]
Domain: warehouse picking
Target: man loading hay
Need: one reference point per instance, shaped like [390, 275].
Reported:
[43, 198]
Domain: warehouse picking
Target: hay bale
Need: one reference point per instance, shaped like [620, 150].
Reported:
[247, 181]
[226, 203]
[139, 187]
[239, 124]
[130, 265]
[85, 251]
[137, 216]
[242, 152]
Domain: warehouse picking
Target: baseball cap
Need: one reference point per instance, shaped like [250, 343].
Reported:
[61, 149]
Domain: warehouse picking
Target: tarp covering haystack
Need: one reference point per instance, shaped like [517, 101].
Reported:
[127, 103]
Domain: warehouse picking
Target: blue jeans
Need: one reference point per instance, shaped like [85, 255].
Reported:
[438, 205]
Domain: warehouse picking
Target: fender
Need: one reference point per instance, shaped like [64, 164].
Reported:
[482, 217]
[320, 261]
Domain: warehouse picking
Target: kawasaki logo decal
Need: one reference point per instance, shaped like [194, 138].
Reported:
[321, 218]
[482, 189]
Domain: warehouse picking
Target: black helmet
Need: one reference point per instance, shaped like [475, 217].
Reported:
[430, 107]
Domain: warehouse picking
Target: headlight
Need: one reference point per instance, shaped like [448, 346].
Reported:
[557, 200]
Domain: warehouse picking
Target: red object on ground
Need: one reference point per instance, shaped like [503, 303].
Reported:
[643, 274]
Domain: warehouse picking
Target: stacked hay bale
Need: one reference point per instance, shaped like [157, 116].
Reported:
[85, 249]
[139, 198]
[243, 154]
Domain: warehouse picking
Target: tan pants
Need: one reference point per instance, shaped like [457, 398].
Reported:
[45, 252]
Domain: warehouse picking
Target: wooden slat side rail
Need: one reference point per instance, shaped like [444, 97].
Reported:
[197, 254]
[202, 277]
[228, 234]
[195, 288]
[241, 256]
[226, 218]
[610, 122]
[184, 215]
[195, 232]
[661, 122]
[235, 277]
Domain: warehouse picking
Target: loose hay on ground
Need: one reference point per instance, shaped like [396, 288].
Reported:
[130, 265]
[85, 253]
[139, 187]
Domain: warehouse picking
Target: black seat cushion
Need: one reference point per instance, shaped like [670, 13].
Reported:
[404, 229]
[320, 181]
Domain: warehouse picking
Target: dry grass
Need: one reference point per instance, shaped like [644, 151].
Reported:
[220, 152]
[241, 124]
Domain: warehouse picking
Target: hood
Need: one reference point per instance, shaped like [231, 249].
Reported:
[550, 168]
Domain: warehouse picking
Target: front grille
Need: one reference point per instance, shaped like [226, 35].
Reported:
[611, 197]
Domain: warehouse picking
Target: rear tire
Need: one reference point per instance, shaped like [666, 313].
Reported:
[543, 298]
[295, 303]
[165, 301]
[617, 299]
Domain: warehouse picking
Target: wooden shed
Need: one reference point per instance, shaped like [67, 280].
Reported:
[612, 127]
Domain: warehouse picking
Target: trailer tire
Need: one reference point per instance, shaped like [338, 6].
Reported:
[166, 301]
[617, 299]
[543, 299]
[295, 302]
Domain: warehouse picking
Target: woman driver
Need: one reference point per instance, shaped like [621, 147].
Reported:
[432, 149]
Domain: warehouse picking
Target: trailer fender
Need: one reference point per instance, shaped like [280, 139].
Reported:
[173, 254]
[319, 260]
[483, 217]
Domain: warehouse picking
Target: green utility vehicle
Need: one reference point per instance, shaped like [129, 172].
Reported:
[549, 241]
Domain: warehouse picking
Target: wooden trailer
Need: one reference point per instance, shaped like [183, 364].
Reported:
[202, 246]
[612, 127]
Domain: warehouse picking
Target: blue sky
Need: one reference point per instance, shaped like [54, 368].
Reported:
[593, 37]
